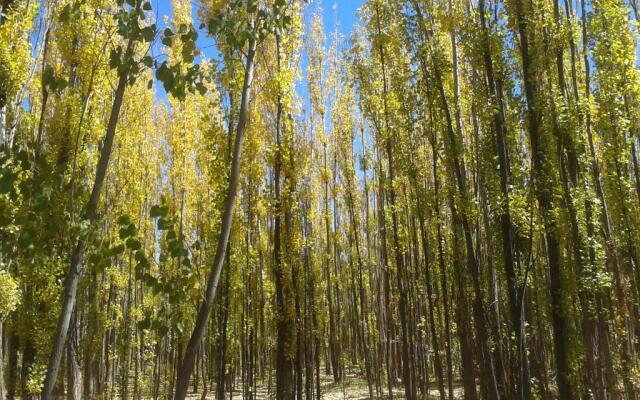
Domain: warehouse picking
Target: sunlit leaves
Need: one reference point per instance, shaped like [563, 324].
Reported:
[10, 294]
[14, 46]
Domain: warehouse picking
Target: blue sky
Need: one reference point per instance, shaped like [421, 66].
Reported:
[344, 12]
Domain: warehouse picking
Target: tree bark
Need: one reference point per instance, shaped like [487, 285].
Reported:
[186, 367]
[91, 214]
[407, 358]
[543, 181]
[3, 392]
[285, 378]
[74, 377]
[495, 90]
[222, 350]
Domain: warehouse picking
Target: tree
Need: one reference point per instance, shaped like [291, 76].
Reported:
[127, 66]
[450, 193]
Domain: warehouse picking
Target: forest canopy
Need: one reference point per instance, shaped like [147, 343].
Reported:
[207, 199]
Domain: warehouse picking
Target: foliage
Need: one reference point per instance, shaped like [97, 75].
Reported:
[454, 197]
[10, 294]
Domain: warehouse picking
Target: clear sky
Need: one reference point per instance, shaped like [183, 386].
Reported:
[342, 12]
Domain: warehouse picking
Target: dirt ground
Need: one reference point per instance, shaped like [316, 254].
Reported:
[352, 387]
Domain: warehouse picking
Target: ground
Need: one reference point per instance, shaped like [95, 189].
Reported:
[353, 387]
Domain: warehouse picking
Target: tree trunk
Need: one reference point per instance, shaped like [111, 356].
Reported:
[3, 392]
[285, 380]
[407, 358]
[222, 350]
[495, 90]
[333, 343]
[544, 182]
[91, 214]
[28, 356]
[430, 300]
[74, 377]
[12, 366]
[186, 367]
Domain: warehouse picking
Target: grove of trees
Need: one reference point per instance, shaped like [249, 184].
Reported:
[443, 204]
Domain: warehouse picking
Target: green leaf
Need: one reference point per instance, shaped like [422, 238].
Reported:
[147, 61]
[65, 14]
[114, 58]
[127, 231]
[133, 244]
[154, 211]
[124, 220]
[162, 331]
[201, 88]
[82, 228]
[188, 46]
[140, 256]
[149, 280]
[119, 249]
[164, 225]
[148, 33]
[158, 211]
[145, 323]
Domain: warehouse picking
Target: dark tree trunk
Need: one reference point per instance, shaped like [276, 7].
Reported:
[517, 314]
[543, 186]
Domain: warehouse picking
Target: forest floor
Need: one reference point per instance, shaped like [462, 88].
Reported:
[353, 387]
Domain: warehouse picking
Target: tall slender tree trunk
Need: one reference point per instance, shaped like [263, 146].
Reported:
[3, 391]
[362, 320]
[430, 301]
[187, 364]
[543, 187]
[285, 384]
[333, 338]
[407, 357]
[444, 284]
[523, 381]
[12, 371]
[222, 349]
[74, 376]
[75, 268]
